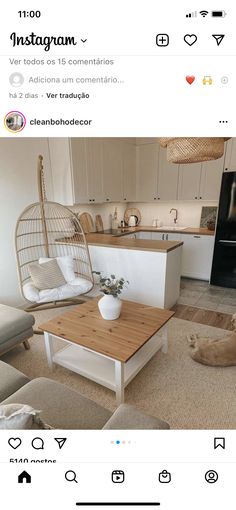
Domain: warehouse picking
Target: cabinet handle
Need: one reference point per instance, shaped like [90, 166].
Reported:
[162, 237]
[155, 198]
[90, 200]
[107, 199]
[167, 237]
[200, 198]
[125, 198]
[158, 198]
[195, 198]
[197, 237]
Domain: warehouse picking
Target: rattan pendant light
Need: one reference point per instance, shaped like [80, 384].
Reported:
[49, 229]
[193, 150]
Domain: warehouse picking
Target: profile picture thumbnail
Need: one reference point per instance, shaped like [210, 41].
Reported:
[16, 79]
[15, 121]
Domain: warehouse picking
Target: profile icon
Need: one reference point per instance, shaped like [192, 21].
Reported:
[16, 79]
[14, 121]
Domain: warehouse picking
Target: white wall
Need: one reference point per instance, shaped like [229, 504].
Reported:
[189, 213]
[18, 188]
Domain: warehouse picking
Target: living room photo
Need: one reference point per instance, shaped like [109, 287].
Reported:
[118, 283]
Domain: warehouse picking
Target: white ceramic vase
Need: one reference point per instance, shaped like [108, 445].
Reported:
[109, 307]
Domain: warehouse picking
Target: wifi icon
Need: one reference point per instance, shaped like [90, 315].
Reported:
[204, 13]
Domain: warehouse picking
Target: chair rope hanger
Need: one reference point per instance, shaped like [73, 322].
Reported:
[49, 230]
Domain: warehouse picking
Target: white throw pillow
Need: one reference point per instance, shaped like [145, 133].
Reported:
[47, 275]
[66, 265]
[20, 417]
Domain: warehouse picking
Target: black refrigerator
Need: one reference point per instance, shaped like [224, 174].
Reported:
[223, 271]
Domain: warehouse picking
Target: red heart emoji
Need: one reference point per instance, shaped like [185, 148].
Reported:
[190, 79]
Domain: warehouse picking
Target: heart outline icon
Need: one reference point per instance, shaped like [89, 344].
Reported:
[190, 79]
[190, 39]
[14, 442]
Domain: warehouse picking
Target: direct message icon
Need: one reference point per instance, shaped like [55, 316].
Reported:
[60, 441]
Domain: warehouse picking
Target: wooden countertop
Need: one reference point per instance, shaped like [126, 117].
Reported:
[188, 230]
[120, 241]
[131, 244]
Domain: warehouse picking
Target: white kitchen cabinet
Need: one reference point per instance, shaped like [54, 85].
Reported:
[131, 236]
[144, 235]
[197, 256]
[201, 181]
[129, 172]
[168, 177]
[86, 157]
[158, 236]
[112, 170]
[61, 170]
[76, 170]
[171, 236]
[147, 172]
[189, 181]
[166, 236]
[79, 170]
[230, 155]
[94, 163]
[210, 182]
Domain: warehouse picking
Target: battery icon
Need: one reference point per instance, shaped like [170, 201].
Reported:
[218, 14]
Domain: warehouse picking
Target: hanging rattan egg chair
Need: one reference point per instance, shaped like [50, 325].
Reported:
[48, 230]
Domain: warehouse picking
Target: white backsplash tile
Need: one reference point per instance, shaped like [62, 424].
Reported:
[189, 213]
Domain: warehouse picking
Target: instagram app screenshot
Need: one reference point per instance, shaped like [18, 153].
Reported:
[118, 255]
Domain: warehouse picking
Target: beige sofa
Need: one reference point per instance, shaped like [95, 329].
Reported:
[64, 408]
[16, 326]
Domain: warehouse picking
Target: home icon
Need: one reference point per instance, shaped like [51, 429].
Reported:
[24, 477]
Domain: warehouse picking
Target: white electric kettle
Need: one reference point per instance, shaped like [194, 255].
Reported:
[132, 221]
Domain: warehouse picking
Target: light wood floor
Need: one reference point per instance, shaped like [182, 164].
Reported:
[208, 317]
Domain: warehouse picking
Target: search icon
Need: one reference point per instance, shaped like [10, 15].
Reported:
[70, 476]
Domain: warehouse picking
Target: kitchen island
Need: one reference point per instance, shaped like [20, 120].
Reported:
[153, 268]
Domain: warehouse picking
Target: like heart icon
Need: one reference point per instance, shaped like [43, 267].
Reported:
[14, 442]
[190, 79]
[190, 39]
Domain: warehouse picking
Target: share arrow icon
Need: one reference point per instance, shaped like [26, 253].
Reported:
[219, 38]
[60, 441]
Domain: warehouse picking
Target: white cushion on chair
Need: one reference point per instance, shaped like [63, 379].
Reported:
[66, 265]
[75, 288]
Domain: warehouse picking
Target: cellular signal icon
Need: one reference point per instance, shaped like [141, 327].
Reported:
[191, 14]
[204, 13]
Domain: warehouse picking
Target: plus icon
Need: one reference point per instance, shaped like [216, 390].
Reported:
[162, 40]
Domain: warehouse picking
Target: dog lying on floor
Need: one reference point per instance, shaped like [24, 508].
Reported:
[216, 352]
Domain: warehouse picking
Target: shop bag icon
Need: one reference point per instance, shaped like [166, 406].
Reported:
[164, 477]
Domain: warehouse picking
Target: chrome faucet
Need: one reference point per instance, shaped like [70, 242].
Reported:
[176, 214]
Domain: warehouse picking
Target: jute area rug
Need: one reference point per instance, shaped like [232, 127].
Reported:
[171, 386]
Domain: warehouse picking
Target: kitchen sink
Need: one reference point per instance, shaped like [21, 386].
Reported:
[166, 227]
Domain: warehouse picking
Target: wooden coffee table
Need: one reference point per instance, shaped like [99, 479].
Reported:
[110, 353]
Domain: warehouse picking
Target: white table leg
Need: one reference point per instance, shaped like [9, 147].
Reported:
[164, 335]
[119, 378]
[49, 348]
